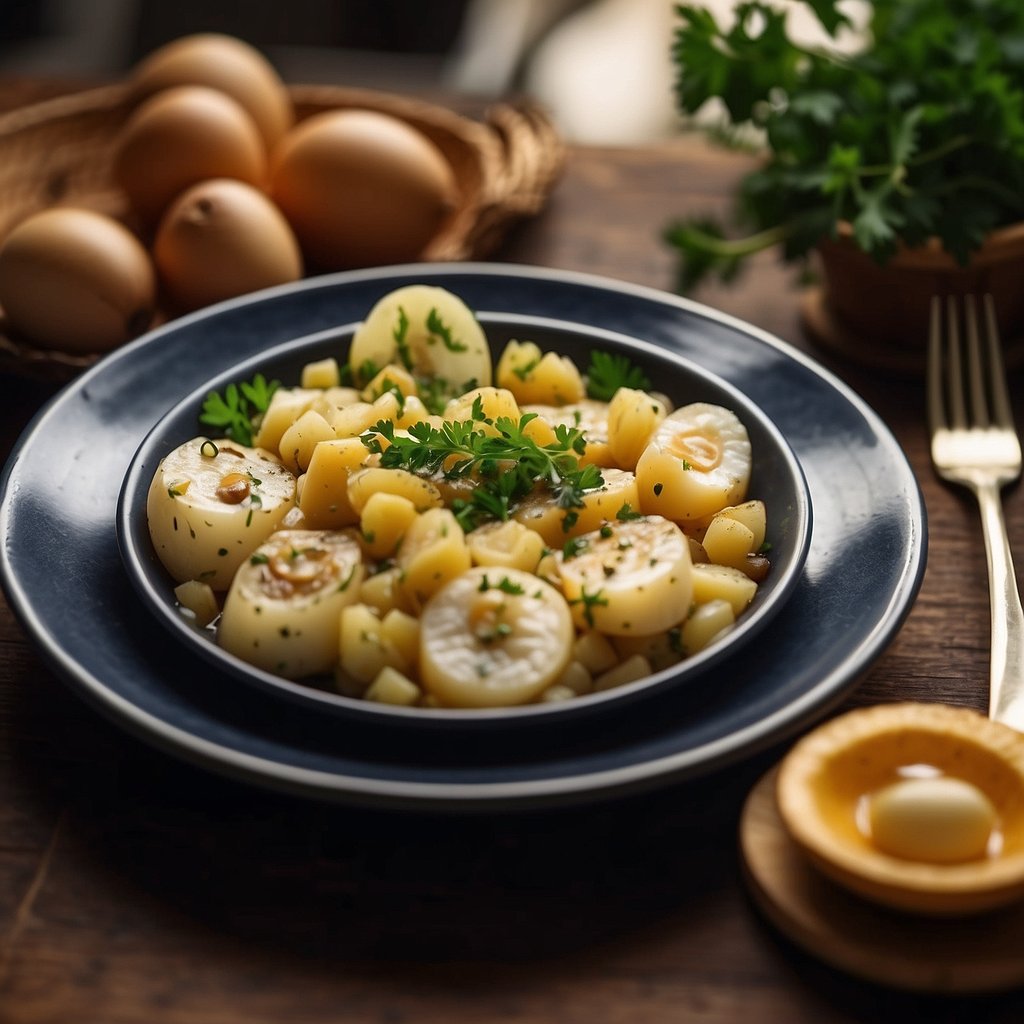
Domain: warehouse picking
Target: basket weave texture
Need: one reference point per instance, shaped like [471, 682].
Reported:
[59, 152]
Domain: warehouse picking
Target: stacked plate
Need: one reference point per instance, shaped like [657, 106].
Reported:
[79, 573]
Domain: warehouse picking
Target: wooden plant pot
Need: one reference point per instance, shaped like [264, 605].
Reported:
[878, 315]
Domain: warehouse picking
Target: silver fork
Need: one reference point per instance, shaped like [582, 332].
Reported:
[974, 444]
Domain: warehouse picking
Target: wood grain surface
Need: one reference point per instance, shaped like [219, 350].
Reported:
[969, 954]
[134, 888]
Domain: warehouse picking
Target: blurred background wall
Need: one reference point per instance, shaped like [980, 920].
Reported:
[601, 66]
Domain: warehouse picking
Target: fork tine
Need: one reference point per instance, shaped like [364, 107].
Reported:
[936, 401]
[975, 372]
[955, 373]
[1002, 412]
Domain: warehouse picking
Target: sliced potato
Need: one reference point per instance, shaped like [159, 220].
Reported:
[429, 331]
[494, 637]
[697, 463]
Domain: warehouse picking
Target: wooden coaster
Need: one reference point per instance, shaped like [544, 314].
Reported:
[975, 954]
[831, 334]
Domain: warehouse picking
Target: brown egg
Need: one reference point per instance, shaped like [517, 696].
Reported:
[220, 239]
[225, 63]
[75, 280]
[180, 137]
[361, 188]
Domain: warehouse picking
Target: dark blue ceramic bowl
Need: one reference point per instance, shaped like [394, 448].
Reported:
[776, 479]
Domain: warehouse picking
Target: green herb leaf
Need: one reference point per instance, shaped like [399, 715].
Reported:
[238, 411]
[609, 371]
[590, 602]
[505, 466]
[918, 134]
[439, 329]
[400, 334]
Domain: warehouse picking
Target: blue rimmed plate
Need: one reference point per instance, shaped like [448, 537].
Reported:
[63, 575]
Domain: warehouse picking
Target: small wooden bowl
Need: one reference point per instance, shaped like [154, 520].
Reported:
[824, 778]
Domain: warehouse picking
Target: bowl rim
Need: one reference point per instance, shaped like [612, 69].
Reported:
[139, 560]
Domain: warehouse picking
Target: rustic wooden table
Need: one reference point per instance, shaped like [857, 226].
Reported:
[134, 888]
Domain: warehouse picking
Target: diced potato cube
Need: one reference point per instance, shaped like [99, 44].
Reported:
[361, 652]
[392, 376]
[533, 377]
[633, 416]
[660, 649]
[728, 541]
[286, 406]
[594, 651]
[433, 552]
[338, 397]
[199, 599]
[393, 687]
[753, 516]
[324, 373]
[556, 693]
[413, 411]
[705, 623]
[380, 591]
[517, 359]
[364, 483]
[722, 581]
[324, 502]
[493, 403]
[600, 505]
[576, 678]
[401, 633]
[628, 671]
[509, 545]
[356, 419]
[299, 440]
[383, 522]
[548, 568]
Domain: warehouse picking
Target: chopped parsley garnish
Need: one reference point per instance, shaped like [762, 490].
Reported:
[439, 329]
[505, 585]
[575, 546]
[401, 341]
[388, 386]
[608, 372]
[237, 412]
[506, 466]
[524, 371]
[590, 602]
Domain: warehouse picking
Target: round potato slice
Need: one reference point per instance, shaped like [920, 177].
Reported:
[494, 637]
[429, 331]
[211, 504]
[283, 611]
[698, 462]
[631, 578]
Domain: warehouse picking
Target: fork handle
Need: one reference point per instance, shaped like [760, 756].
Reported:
[1006, 680]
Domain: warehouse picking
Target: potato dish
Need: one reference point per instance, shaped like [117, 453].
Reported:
[420, 525]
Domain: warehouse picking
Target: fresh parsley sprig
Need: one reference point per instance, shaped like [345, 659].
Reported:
[236, 413]
[609, 371]
[506, 465]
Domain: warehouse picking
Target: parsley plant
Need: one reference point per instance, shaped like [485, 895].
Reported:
[919, 134]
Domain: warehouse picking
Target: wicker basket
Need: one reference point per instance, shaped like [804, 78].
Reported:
[59, 151]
